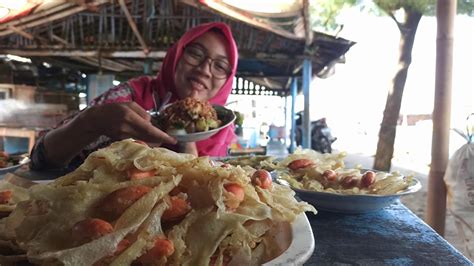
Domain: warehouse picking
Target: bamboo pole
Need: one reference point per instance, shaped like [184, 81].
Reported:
[42, 14]
[436, 209]
[133, 26]
[307, 23]
[27, 35]
[51, 18]
[89, 53]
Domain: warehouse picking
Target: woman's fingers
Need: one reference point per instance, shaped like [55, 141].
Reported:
[139, 110]
[126, 120]
[137, 126]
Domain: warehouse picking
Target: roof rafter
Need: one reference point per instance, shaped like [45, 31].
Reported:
[105, 63]
[51, 51]
[51, 18]
[27, 35]
[38, 15]
[307, 23]
[133, 26]
[83, 53]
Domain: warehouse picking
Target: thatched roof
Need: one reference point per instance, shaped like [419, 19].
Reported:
[129, 36]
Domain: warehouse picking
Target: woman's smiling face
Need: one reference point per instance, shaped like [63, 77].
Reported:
[197, 80]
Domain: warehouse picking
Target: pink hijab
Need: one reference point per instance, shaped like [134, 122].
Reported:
[145, 86]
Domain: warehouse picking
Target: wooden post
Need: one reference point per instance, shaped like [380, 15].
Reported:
[436, 209]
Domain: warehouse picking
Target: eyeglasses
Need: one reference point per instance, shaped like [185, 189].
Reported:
[195, 56]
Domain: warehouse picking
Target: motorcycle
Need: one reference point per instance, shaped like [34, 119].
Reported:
[321, 136]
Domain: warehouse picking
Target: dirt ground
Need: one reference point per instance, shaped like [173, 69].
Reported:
[416, 202]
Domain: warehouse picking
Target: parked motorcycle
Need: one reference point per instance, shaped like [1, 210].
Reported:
[321, 136]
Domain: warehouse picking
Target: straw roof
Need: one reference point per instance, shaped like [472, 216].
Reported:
[128, 38]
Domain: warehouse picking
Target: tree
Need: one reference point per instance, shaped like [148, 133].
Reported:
[407, 23]
[324, 13]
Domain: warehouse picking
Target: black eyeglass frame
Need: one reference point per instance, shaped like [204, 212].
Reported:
[206, 58]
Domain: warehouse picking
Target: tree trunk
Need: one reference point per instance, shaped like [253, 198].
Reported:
[388, 127]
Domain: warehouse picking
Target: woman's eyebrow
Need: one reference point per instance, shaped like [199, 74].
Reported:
[219, 56]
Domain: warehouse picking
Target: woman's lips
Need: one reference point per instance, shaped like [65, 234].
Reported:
[197, 85]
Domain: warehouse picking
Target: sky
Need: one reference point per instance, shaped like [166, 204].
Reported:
[353, 99]
[371, 62]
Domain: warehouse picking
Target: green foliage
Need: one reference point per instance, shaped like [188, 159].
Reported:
[324, 13]
[239, 118]
[466, 7]
[426, 7]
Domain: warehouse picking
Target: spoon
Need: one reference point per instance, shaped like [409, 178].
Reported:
[155, 112]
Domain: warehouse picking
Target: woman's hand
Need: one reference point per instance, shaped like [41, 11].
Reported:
[188, 147]
[116, 121]
[124, 120]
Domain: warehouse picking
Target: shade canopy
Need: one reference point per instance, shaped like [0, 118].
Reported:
[129, 38]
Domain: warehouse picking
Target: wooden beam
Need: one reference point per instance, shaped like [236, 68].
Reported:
[105, 63]
[307, 23]
[28, 35]
[22, 33]
[272, 56]
[51, 18]
[41, 14]
[90, 62]
[59, 39]
[82, 53]
[247, 75]
[133, 26]
[135, 54]
[129, 63]
[71, 64]
[232, 14]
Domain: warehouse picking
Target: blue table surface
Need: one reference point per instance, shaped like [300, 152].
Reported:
[391, 236]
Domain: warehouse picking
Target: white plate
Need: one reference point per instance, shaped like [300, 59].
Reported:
[350, 203]
[12, 168]
[227, 117]
[301, 247]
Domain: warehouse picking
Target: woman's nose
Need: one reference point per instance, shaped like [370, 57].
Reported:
[205, 66]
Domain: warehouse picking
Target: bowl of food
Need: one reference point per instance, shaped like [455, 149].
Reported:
[255, 161]
[351, 203]
[11, 162]
[190, 120]
[324, 181]
[130, 204]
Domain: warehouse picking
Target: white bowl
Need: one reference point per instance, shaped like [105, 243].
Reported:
[301, 247]
[350, 203]
[13, 168]
[227, 117]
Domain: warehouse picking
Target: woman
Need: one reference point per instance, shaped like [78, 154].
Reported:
[202, 65]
